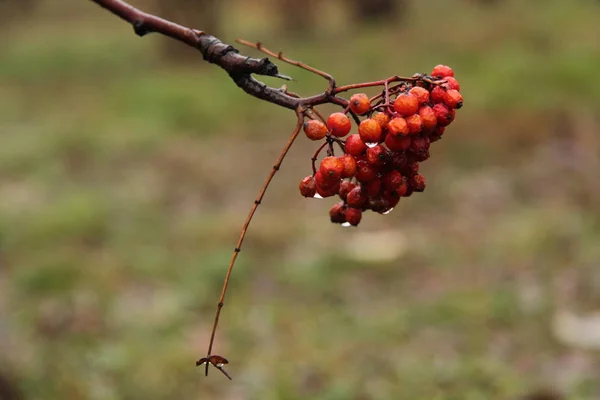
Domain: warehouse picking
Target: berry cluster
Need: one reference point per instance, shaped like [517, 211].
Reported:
[380, 164]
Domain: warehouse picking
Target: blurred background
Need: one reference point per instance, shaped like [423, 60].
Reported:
[127, 166]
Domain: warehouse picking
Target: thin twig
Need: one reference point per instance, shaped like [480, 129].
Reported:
[238, 246]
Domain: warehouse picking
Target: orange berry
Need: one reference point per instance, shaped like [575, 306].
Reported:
[415, 125]
[332, 167]
[442, 71]
[337, 213]
[406, 104]
[359, 103]
[327, 190]
[398, 127]
[355, 146]
[453, 99]
[349, 165]
[383, 119]
[428, 118]
[420, 93]
[452, 82]
[397, 143]
[369, 131]
[339, 124]
[437, 94]
[308, 186]
[314, 129]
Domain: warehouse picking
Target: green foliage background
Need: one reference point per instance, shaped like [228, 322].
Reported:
[124, 180]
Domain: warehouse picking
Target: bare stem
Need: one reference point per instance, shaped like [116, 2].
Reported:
[238, 246]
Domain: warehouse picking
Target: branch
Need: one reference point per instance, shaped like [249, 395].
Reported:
[239, 67]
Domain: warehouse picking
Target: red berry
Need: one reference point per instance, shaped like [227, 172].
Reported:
[324, 181]
[417, 183]
[392, 197]
[453, 99]
[332, 167]
[365, 172]
[402, 190]
[314, 129]
[437, 134]
[337, 213]
[444, 115]
[398, 127]
[397, 143]
[415, 125]
[420, 93]
[406, 104]
[355, 146]
[452, 82]
[410, 169]
[359, 103]
[353, 216]
[392, 180]
[419, 144]
[379, 205]
[398, 159]
[437, 94]
[421, 156]
[442, 71]
[308, 186]
[345, 188]
[349, 166]
[383, 120]
[328, 190]
[339, 124]
[376, 156]
[357, 197]
[369, 131]
[373, 188]
[428, 118]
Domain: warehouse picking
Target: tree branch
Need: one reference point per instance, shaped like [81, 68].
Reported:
[239, 67]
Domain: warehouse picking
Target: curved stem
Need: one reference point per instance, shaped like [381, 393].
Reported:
[238, 246]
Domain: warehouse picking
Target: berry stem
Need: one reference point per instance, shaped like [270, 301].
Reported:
[238, 247]
[316, 155]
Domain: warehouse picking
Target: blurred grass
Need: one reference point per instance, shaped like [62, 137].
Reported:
[124, 181]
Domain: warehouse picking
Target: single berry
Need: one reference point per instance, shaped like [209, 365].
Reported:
[328, 190]
[453, 99]
[402, 190]
[417, 182]
[345, 188]
[369, 131]
[419, 144]
[355, 146]
[392, 197]
[332, 167]
[452, 82]
[383, 120]
[422, 155]
[437, 94]
[357, 197]
[428, 118]
[397, 143]
[365, 172]
[398, 159]
[442, 71]
[398, 127]
[349, 165]
[392, 180]
[373, 188]
[314, 129]
[444, 115]
[339, 124]
[376, 156]
[406, 104]
[359, 103]
[337, 213]
[379, 205]
[420, 93]
[415, 125]
[308, 186]
[324, 181]
[353, 216]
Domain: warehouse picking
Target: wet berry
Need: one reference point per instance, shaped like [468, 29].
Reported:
[365, 172]
[359, 103]
[398, 127]
[332, 167]
[369, 131]
[376, 156]
[355, 146]
[308, 186]
[339, 124]
[406, 104]
[397, 143]
[337, 214]
[314, 129]
[349, 163]
[353, 216]
[345, 188]
[357, 197]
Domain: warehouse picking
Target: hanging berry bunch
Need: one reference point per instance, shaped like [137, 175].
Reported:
[379, 164]
[375, 167]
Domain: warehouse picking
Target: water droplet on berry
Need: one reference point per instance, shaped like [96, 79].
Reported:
[371, 144]
[346, 224]
[317, 196]
[386, 212]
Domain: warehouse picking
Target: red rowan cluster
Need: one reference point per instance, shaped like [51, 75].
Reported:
[380, 164]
